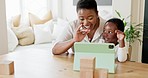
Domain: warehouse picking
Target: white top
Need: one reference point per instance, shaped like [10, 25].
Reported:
[70, 30]
[121, 53]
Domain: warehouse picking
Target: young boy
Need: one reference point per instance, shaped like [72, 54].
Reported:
[113, 32]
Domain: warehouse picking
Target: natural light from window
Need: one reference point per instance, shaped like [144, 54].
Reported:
[23, 7]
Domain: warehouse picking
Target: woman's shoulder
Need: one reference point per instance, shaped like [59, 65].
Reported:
[74, 23]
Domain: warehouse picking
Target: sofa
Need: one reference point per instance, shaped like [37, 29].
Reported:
[39, 34]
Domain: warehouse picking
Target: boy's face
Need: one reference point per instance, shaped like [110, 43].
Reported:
[87, 17]
[109, 34]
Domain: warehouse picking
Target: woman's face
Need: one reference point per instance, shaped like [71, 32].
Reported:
[109, 34]
[88, 17]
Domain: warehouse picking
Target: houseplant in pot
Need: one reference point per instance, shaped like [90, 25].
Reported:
[132, 32]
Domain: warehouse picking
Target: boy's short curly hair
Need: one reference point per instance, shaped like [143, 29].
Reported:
[119, 23]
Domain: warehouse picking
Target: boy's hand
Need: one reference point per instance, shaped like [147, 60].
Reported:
[120, 35]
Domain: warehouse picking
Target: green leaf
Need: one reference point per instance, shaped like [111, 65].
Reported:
[118, 13]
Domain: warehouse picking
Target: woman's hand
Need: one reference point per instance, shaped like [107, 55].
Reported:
[81, 32]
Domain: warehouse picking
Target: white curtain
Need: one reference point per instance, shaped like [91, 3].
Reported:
[23, 7]
[12, 8]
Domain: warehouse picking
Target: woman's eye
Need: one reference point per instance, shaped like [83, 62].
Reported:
[81, 19]
[90, 18]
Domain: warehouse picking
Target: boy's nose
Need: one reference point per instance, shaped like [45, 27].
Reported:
[105, 34]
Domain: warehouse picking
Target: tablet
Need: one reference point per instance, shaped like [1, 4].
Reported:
[104, 53]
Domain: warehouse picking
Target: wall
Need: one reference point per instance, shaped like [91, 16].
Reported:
[138, 17]
[3, 32]
[122, 6]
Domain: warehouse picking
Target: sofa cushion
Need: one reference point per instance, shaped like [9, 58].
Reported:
[25, 35]
[36, 20]
[16, 20]
[42, 33]
[59, 27]
[12, 39]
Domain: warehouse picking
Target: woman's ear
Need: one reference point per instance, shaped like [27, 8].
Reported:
[97, 13]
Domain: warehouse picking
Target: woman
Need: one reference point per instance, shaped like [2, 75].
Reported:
[88, 27]
[113, 32]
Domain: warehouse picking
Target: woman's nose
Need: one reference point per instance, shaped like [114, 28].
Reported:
[86, 23]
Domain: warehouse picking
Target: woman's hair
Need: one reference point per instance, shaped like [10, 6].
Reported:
[119, 23]
[87, 4]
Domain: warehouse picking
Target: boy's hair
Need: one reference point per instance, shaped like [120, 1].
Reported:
[87, 4]
[119, 23]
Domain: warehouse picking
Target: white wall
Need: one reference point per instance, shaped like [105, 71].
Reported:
[68, 10]
[122, 6]
[3, 31]
[138, 17]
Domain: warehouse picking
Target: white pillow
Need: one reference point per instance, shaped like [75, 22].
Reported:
[12, 39]
[50, 23]
[24, 34]
[59, 27]
[42, 33]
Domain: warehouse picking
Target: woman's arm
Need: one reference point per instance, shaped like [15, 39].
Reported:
[62, 47]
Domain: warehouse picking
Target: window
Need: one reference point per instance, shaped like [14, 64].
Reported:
[12, 8]
[38, 7]
[15, 7]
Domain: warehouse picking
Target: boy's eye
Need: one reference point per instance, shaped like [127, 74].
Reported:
[104, 31]
[110, 32]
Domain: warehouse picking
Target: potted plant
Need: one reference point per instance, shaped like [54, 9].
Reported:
[132, 32]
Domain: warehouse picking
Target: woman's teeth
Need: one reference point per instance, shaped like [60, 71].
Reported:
[87, 27]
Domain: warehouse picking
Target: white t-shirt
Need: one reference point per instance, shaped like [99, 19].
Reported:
[121, 53]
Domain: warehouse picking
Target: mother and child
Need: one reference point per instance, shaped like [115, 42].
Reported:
[89, 27]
